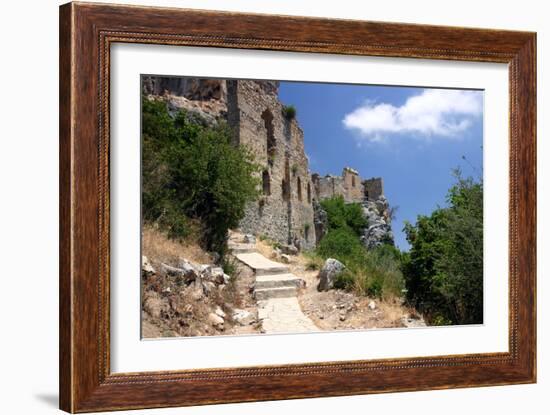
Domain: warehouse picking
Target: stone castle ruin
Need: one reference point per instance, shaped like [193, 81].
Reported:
[288, 210]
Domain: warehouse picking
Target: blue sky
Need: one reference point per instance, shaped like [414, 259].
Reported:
[411, 137]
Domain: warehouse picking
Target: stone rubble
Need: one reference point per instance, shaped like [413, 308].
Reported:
[331, 269]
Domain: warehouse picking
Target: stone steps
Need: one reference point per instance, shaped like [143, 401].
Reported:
[262, 294]
[275, 290]
[238, 248]
[261, 265]
[277, 281]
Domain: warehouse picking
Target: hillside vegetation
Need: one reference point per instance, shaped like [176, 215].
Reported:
[444, 268]
[442, 274]
[192, 172]
[375, 272]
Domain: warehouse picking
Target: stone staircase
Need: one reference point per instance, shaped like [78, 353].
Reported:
[276, 290]
[273, 280]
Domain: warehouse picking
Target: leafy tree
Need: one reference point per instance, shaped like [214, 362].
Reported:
[193, 171]
[341, 244]
[344, 215]
[444, 267]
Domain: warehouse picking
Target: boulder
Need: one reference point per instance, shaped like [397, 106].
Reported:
[320, 221]
[208, 287]
[171, 271]
[285, 259]
[196, 290]
[191, 272]
[214, 274]
[219, 312]
[243, 317]
[331, 269]
[249, 239]
[155, 305]
[289, 250]
[146, 266]
[372, 305]
[276, 254]
[216, 321]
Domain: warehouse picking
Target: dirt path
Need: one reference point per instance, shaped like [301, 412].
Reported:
[276, 291]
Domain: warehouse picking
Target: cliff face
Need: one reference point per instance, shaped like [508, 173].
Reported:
[378, 230]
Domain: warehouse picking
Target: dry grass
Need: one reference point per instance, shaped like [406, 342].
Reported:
[157, 247]
[172, 309]
[265, 247]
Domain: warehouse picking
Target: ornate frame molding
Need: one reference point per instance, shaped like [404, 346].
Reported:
[86, 33]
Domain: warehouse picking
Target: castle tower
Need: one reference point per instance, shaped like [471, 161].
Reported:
[285, 209]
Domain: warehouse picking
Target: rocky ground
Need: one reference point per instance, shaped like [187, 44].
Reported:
[185, 294]
[337, 309]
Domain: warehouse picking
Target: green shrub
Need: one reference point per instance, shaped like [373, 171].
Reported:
[444, 268]
[314, 260]
[342, 245]
[344, 215]
[230, 266]
[191, 170]
[289, 111]
[346, 280]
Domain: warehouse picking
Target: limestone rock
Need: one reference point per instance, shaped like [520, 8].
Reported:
[285, 259]
[196, 290]
[372, 305]
[320, 221]
[331, 269]
[289, 250]
[249, 239]
[243, 317]
[154, 305]
[226, 278]
[191, 272]
[214, 274]
[219, 312]
[146, 266]
[208, 287]
[216, 321]
[171, 271]
[379, 230]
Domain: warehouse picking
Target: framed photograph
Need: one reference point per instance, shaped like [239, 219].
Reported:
[259, 207]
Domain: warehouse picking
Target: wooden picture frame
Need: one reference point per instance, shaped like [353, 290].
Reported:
[86, 33]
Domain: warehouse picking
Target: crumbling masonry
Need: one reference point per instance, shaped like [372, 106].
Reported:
[288, 210]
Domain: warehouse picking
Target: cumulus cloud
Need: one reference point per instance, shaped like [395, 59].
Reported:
[434, 112]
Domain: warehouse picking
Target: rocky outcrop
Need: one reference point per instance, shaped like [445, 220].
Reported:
[320, 221]
[197, 89]
[378, 230]
[328, 274]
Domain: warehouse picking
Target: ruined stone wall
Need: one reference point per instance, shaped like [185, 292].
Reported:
[284, 212]
[373, 188]
[353, 186]
[349, 186]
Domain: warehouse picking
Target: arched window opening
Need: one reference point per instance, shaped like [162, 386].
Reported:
[299, 186]
[271, 144]
[352, 181]
[286, 182]
[266, 183]
[309, 193]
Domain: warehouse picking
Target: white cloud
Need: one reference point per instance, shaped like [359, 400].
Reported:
[434, 112]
